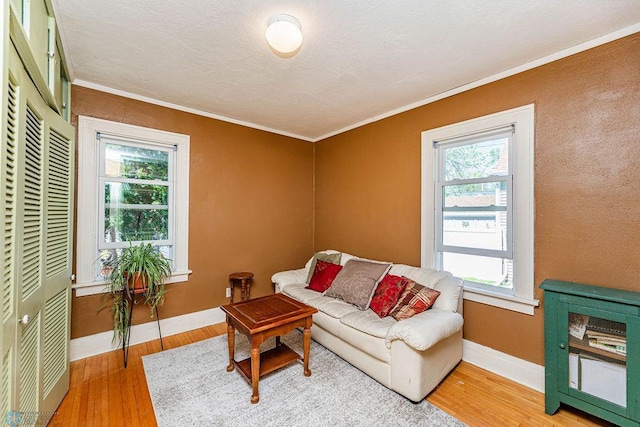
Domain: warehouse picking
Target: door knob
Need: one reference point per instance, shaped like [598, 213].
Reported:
[24, 319]
[563, 345]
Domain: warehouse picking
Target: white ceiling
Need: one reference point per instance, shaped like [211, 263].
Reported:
[360, 60]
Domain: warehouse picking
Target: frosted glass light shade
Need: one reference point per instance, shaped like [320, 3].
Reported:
[284, 33]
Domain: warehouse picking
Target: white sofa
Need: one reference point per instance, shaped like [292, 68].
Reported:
[410, 356]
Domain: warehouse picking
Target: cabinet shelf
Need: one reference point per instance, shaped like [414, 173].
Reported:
[583, 346]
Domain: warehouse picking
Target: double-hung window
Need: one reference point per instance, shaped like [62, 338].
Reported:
[477, 206]
[136, 191]
[133, 188]
[473, 205]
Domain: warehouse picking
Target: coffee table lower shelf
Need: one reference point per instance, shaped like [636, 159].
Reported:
[270, 361]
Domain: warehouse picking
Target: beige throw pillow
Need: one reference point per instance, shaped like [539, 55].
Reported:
[357, 281]
[332, 258]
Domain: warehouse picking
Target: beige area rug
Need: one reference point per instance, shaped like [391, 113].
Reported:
[190, 386]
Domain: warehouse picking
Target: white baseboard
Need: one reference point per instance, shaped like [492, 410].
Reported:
[526, 373]
[518, 370]
[101, 343]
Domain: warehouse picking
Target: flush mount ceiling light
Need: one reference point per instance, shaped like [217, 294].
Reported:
[284, 34]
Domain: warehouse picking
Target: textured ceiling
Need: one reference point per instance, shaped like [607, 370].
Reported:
[359, 60]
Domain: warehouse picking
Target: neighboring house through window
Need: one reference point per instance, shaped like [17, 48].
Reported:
[477, 199]
[133, 188]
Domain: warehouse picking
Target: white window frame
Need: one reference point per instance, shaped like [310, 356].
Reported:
[89, 190]
[521, 299]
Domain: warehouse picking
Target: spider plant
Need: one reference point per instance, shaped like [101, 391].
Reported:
[139, 270]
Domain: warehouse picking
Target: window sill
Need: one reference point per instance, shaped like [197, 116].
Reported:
[508, 302]
[99, 286]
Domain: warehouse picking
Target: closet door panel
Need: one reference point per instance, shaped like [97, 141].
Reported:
[8, 206]
[29, 246]
[58, 197]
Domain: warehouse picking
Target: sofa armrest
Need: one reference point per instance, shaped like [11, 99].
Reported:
[425, 329]
[289, 277]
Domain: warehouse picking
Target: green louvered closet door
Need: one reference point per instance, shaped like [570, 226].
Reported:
[58, 227]
[8, 178]
[37, 180]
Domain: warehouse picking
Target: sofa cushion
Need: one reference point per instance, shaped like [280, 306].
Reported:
[450, 288]
[375, 347]
[368, 322]
[283, 279]
[331, 306]
[328, 251]
[299, 292]
[333, 258]
[425, 276]
[387, 294]
[415, 299]
[448, 285]
[356, 282]
[323, 276]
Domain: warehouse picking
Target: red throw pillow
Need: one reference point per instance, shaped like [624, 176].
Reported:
[415, 299]
[323, 276]
[387, 294]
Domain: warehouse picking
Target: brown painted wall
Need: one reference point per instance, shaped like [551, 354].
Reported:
[587, 182]
[250, 206]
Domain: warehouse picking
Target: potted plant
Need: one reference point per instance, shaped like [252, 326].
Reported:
[139, 270]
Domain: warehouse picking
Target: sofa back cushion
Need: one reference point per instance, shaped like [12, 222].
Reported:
[450, 298]
[449, 286]
[356, 282]
[326, 252]
[344, 258]
[425, 276]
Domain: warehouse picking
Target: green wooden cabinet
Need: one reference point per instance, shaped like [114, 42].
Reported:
[592, 350]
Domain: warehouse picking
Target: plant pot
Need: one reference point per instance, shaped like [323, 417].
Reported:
[137, 283]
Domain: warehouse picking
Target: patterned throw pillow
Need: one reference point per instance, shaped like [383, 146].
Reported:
[387, 294]
[357, 281]
[323, 276]
[332, 258]
[415, 299]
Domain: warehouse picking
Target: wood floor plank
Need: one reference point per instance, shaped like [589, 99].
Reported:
[103, 393]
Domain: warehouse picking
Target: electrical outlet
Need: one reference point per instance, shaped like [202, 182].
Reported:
[228, 292]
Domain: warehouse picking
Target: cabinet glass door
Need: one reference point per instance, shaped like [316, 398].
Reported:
[597, 357]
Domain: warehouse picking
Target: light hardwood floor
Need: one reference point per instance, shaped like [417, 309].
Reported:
[104, 393]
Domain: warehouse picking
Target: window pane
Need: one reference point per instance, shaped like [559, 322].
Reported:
[131, 225]
[481, 230]
[135, 212]
[133, 162]
[472, 268]
[481, 194]
[477, 160]
[107, 255]
[116, 193]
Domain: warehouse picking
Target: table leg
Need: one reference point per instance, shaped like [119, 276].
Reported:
[306, 346]
[231, 338]
[255, 371]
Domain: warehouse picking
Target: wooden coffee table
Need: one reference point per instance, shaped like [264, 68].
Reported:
[259, 319]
